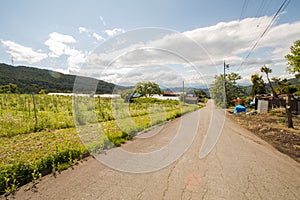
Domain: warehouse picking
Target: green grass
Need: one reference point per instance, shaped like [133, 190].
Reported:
[28, 156]
[29, 151]
[17, 113]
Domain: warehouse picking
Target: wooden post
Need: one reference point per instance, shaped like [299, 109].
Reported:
[288, 108]
[29, 106]
[99, 102]
[35, 116]
[183, 96]
[224, 75]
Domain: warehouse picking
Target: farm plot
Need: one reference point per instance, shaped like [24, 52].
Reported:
[42, 134]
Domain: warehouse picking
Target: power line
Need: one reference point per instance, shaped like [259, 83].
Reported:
[265, 4]
[261, 7]
[245, 5]
[279, 11]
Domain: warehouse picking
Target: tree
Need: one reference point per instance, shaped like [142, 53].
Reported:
[284, 87]
[126, 94]
[9, 88]
[200, 94]
[258, 86]
[232, 89]
[294, 59]
[43, 91]
[147, 89]
[267, 71]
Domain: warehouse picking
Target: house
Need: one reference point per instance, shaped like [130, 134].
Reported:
[191, 100]
[278, 102]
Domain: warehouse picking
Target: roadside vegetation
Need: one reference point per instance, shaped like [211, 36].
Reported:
[280, 126]
[41, 134]
[227, 93]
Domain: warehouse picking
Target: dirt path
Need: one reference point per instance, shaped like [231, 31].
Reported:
[241, 166]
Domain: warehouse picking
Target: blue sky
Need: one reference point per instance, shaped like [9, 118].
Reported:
[61, 35]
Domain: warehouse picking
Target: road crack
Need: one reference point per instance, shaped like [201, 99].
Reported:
[204, 195]
[140, 194]
[168, 180]
[247, 188]
[220, 163]
[289, 189]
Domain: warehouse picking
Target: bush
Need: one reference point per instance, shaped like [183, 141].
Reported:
[20, 173]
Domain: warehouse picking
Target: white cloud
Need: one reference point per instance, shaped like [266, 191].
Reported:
[202, 46]
[82, 30]
[225, 40]
[163, 75]
[61, 38]
[57, 44]
[124, 57]
[98, 37]
[278, 53]
[113, 32]
[22, 53]
[91, 33]
[282, 35]
[75, 59]
[63, 71]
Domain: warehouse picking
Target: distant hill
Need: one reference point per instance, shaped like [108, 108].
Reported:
[29, 79]
[186, 89]
[294, 81]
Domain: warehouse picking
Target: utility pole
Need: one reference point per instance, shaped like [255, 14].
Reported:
[224, 74]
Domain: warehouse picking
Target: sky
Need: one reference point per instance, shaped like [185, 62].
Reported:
[168, 42]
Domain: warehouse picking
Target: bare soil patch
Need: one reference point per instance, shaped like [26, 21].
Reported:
[271, 127]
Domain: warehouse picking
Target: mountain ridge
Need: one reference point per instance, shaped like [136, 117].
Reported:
[31, 79]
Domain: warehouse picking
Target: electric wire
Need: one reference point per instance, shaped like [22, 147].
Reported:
[245, 5]
[275, 17]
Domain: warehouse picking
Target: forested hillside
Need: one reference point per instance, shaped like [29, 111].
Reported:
[29, 79]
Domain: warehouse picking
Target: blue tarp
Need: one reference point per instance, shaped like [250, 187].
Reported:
[239, 108]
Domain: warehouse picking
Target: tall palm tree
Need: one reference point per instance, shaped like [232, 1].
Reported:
[268, 70]
[258, 85]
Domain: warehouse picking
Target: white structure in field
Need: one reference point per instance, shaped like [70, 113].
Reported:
[111, 96]
[166, 97]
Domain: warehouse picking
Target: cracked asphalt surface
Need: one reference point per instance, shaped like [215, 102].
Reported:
[241, 166]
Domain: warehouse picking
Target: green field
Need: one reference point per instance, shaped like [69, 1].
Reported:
[41, 134]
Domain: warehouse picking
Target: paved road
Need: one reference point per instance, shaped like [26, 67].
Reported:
[241, 166]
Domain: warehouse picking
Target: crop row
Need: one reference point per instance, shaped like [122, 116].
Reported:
[30, 150]
[22, 114]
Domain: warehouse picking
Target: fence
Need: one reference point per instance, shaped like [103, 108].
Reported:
[277, 103]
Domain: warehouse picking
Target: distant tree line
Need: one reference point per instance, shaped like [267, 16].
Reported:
[28, 79]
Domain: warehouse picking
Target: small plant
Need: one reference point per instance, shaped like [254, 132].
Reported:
[53, 166]
[35, 173]
[10, 180]
[281, 120]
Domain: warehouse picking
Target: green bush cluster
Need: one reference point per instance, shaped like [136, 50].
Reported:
[20, 173]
